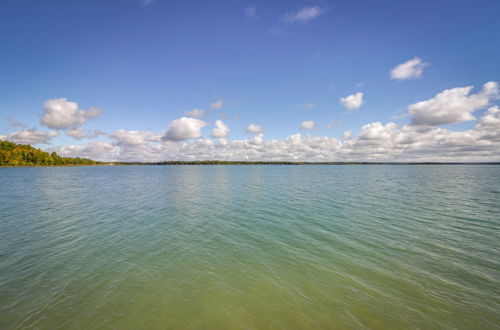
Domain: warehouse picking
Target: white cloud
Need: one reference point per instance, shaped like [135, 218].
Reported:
[134, 138]
[489, 126]
[308, 124]
[251, 12]
[217, 105]
[376, 142]
[352, 102]
[31, 136]
[400, 116]
[63, 114]
[410, 69]
[196, 112]
[294, 139]
[254, 129]
[302, 15]
[333, 123]
[420, 140]
[491, 119]
[346, 135]
[79, 133]
[452, 105]
[184, 128]
[376, 132]
[258, 139]
[97, 150]
[221, 130]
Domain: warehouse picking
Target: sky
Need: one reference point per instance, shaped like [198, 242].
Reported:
[154, 80]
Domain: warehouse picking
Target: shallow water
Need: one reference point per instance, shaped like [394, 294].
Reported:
[250, 247]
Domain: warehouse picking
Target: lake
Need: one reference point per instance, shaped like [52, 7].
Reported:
[250, 247]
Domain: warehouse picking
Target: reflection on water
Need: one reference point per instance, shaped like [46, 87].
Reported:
[254, 247]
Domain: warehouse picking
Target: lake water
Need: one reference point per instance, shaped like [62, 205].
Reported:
[250, 247]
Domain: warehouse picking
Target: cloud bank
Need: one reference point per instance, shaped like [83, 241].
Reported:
[422, 139]
[375, 142]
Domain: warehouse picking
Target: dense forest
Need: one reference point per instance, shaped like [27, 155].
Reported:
[13, 154]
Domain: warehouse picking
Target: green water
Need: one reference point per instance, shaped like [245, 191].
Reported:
[250, 247]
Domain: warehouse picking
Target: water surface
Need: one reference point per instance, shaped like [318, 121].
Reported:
[250, 247]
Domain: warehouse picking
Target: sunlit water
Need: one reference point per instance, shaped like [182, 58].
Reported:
[250, 247]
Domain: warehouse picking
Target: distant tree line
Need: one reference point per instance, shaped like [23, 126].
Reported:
[237, 162]
[232, 162]
[13, 154]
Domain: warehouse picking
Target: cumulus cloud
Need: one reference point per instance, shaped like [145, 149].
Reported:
[79, 133]
[221, 130]
[420, 140]
[184, 128]
[254, 129]
[376, 133]
[196, 112]
[452, 105]
[31, 136]
[134, 138]
[353, 101]
[308, 124]
[294, 139]
[491, 119]
[97, 150]
[63, 114]
[376, 142]
[489, 125]
[346, 135]
[410, 69]
[217, 105]
[302, 15]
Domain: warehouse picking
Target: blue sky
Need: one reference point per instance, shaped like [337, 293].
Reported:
[281, 65]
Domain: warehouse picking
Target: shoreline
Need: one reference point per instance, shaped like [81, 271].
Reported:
[218, 163]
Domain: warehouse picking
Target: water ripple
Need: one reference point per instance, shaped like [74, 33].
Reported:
[257, 247]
